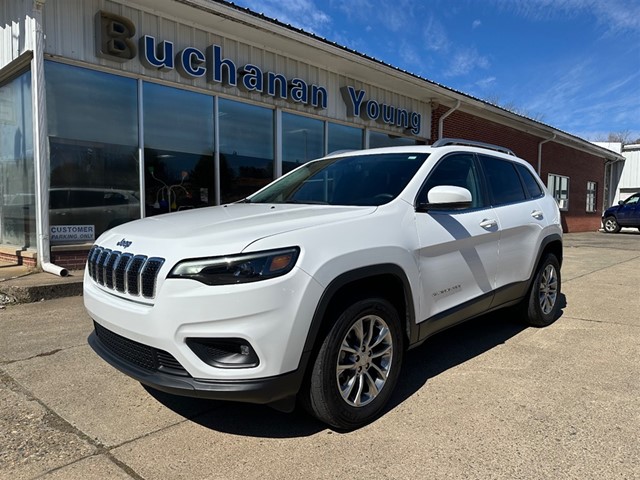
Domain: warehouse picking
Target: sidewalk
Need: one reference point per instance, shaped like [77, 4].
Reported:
[21, 284]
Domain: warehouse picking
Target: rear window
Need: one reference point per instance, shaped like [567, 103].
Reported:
[530, 183]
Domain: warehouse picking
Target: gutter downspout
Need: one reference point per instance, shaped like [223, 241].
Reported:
[40, 150]
[441, 121]
[540, 152]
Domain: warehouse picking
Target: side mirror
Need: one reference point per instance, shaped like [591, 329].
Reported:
[446, 197]
[620, 202]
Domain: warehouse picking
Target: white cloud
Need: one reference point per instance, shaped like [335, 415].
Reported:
[464, 61]
[435, 36]
[299, 13]
[616, 16]
[476, 24]
[485, 83]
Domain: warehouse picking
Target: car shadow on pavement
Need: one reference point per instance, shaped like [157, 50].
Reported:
[456, 346]
[240, 418]
[438, 354]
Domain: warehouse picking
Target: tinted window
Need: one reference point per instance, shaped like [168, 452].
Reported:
[458, 170]
[530, 183]
[503, 181]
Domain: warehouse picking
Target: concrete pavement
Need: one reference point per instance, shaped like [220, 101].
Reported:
[488, 399]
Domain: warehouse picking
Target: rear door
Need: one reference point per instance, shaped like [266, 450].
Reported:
[521, 219]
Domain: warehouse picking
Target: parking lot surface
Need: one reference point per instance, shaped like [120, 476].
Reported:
[489, 399]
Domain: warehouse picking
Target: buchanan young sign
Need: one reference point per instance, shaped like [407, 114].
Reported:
[114, 40]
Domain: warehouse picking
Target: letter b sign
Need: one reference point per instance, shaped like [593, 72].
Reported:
[113, 37]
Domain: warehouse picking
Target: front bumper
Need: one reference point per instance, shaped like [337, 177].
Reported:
[270, 390]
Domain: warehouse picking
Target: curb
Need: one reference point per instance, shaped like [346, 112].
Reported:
[38, 287]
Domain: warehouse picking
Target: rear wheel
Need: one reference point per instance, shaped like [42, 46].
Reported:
[543, 305]
[357, 366]
[611, 225]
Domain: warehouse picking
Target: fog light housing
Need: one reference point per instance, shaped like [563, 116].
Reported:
[224, 352]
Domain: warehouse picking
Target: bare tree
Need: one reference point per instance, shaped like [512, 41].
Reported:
[623, 137]
[513, 108]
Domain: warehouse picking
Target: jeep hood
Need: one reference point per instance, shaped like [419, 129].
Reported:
[221, 230]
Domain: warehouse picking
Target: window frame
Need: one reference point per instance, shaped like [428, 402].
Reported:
[591, 197]
[563, 203]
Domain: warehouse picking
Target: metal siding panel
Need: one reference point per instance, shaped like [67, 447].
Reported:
[70, 24]
[14, 38]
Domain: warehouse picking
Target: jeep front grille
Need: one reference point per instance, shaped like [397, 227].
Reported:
[135, 275]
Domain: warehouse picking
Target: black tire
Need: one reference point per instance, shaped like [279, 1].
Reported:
[543, 303]
[610, 225]
[328, 396]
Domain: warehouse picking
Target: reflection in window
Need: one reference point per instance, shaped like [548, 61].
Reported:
[343, 137]
[378, 139]
[246, 149]
[352, 180]
[178, 153]
[93, 138]
[302, 140]
[17, 200]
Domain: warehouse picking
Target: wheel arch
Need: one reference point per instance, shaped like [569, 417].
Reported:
[387, 281]
[550, 244]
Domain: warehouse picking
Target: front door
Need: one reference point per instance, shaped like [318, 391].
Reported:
[458, 249]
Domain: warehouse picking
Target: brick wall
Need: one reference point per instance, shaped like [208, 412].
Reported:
[72, 260]
[579, 166]
[18, 257]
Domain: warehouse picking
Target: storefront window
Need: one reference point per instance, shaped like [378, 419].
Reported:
[302, 140]
[246, 148]
[342, 137]
[17, 200]
[178, 149]
[378, 139]
[93, 139]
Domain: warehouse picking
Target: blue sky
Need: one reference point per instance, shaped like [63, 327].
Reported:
[572, 64]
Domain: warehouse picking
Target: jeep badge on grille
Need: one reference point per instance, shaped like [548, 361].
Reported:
[124, 243]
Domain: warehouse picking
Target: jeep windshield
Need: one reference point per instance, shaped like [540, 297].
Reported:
[362, 180]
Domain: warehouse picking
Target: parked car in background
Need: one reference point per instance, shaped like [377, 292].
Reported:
[625, 214]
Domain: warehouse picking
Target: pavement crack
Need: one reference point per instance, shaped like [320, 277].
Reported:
[57, 422]
[604, 322]
[40, 355]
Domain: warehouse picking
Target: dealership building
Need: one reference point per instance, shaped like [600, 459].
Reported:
[112, 110]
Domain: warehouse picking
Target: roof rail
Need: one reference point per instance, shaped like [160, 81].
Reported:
[471, 143]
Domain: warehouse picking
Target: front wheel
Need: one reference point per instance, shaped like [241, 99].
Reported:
[543, 303]
[611, 225]
[357, 366]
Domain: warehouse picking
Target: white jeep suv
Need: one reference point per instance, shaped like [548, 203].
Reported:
[315, 286]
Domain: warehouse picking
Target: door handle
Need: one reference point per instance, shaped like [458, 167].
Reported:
[537, 214]
[488, 224]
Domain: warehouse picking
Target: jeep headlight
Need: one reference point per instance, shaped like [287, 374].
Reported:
[243, 268]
